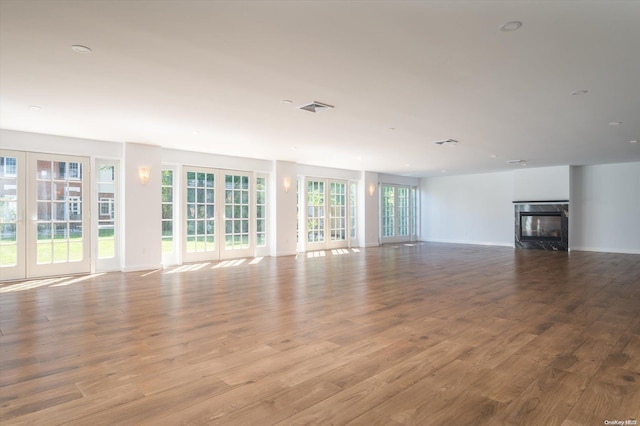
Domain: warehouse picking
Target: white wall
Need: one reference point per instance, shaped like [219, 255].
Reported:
[398, 180]
[327, 172]
[200, 159]
[470, 209]
[36, 142]
[604, 209]
[604, 214]
[541, 184]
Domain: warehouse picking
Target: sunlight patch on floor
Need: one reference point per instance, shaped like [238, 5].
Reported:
[229, 263]
[188, 268]
[76, 280]
[47, 282]
[340, 251]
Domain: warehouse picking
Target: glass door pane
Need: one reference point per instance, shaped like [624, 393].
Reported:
[106, 181]
[200, 214]
[414, 214]
[12, 230]
[237, 215]
[261, 211]
[388, 211]
[403, 211]
[338, 211]
[315, 211]
[167, 212]
[59, 206]
[353, 213]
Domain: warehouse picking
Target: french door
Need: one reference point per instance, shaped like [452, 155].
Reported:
[238, 216]
[218, 214]
[44, 208]
[399, 211]
[326, 214]
[12, 215]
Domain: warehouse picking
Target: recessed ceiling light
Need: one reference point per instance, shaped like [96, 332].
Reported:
[195, 132]
[34, 108]
[81, 49]
[444, 171]
[615, 123]
[580, 92]
[493, 156]
[407, 165]
[391, 129]
[510, 26]
[634, 141]
[287, 101]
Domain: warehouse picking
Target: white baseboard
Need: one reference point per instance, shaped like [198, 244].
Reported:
[606, 250]
[286, 253]
[477, 243]
[135, 268]
[370, 245]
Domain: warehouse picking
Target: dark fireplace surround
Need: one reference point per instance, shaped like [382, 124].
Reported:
[542, 225]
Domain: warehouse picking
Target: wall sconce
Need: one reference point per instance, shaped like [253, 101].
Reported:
[372, 189]
[286, 183]
[143, 174]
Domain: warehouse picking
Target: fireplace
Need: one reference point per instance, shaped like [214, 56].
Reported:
[542, 225]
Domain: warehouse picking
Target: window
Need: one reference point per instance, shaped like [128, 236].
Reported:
[75, 171]
[8, 166]
[106, 208]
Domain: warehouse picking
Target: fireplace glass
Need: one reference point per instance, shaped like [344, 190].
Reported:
[540, 226]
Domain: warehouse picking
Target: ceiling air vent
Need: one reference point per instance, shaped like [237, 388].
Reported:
[448, 142]
[316, 107]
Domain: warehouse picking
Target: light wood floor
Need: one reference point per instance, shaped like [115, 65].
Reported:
[430, 334]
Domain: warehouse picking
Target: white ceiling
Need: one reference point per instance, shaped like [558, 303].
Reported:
[211, 76]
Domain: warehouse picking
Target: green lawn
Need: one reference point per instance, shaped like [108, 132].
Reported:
[63, 250]
[8, 254]
[58, 251]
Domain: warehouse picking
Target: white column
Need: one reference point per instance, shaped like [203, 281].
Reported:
[368, 208]
[282, 200]
[141, 212]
